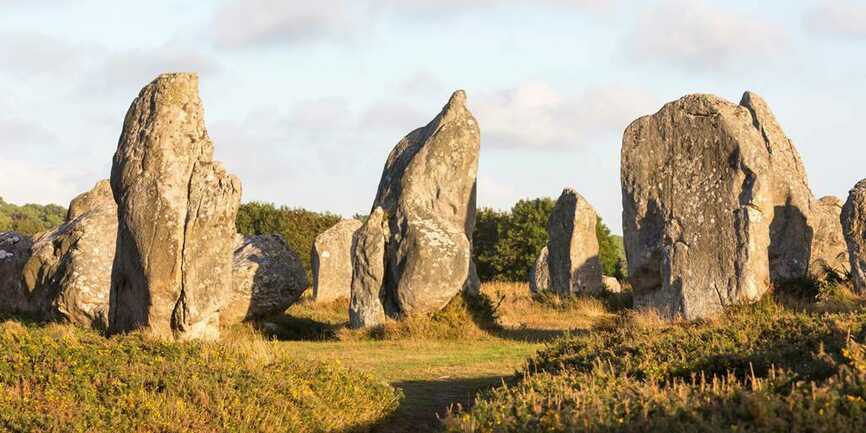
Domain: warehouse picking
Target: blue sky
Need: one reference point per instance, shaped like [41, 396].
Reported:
[305, 99]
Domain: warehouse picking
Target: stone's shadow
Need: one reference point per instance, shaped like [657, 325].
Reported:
[285, 327]
[427, 402]
[790, 248]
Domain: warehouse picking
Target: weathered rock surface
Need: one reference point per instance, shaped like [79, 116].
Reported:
[427, 193]
[176, 213]
[716, 204]
[14, 253]
[804, 235]
[611, 284]
[368, 271]
[539, 276]
[267, 277]
[332, 261]
[69, 272]
[829, 250]
[853, 220]
[697, 205]
[573, 260]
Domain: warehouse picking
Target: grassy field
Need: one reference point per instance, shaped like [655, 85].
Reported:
[784, 365]
[442, 361]
[303, 371]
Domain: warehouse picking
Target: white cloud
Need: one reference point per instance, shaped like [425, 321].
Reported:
[26, 182]
[698, 36]
[534, 115]
[838, 17]
[24, 55]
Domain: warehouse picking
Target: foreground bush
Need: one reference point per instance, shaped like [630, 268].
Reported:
[62, 379]
[761, 369]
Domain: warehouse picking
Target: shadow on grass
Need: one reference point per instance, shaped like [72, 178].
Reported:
[286, 327]
[425, 402]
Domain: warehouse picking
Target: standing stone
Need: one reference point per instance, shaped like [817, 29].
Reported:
[539, 276]
[368, 271]
[332, 261]
[14, 253]
[267, 277]
[829, 250]
[427, 193]
[611, 284]
[853, 220]
[573, 246]
[176, 214]
[697, 206]
[69, 271]
[804, 235]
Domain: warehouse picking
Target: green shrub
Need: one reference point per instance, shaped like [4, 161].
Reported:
[299, 227]
[761, 368]
[30, 219]
[64, 379]
[506, 244]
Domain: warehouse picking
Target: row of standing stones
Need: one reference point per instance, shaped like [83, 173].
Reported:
[716, 210]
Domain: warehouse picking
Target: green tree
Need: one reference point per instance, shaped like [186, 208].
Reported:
[30, 219]
[489, 224]
[299, 227]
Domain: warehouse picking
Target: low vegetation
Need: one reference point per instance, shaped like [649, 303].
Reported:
[779, 366]
[63, 379]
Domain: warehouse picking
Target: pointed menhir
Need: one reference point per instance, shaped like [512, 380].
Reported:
[176, 217]
[427, 199]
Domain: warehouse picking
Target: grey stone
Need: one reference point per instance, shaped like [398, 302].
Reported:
[176, 213]
[368, 271]
[697, 206]
[853, 219]
[539, 275]
[14, 295]
[427, 192]
[332, 261]
[573, 260]
[267, 277]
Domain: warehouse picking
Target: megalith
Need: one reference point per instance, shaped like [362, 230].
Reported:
[853, 221]
[176, 217]
[572, 246]
[332, 261]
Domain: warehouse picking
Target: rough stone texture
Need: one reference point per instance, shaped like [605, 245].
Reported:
[14, 253]
[427, 193]
[69, 272]
[368, 271]
[176, 213]
[332, 261]
[697, 206]
[804, 234]
[539, 275]
[853, 221]
[829, 250]
[573, 260]
[611, 284]
[267, 277]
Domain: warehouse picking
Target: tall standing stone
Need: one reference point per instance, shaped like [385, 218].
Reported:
[332, 261]
[368, 271]
[697, 206]
[573, 259]
[69, 271]
[176, 217]
[853, 220]
[427, 194]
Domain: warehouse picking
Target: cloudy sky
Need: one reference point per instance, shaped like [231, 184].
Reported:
[305, 99]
